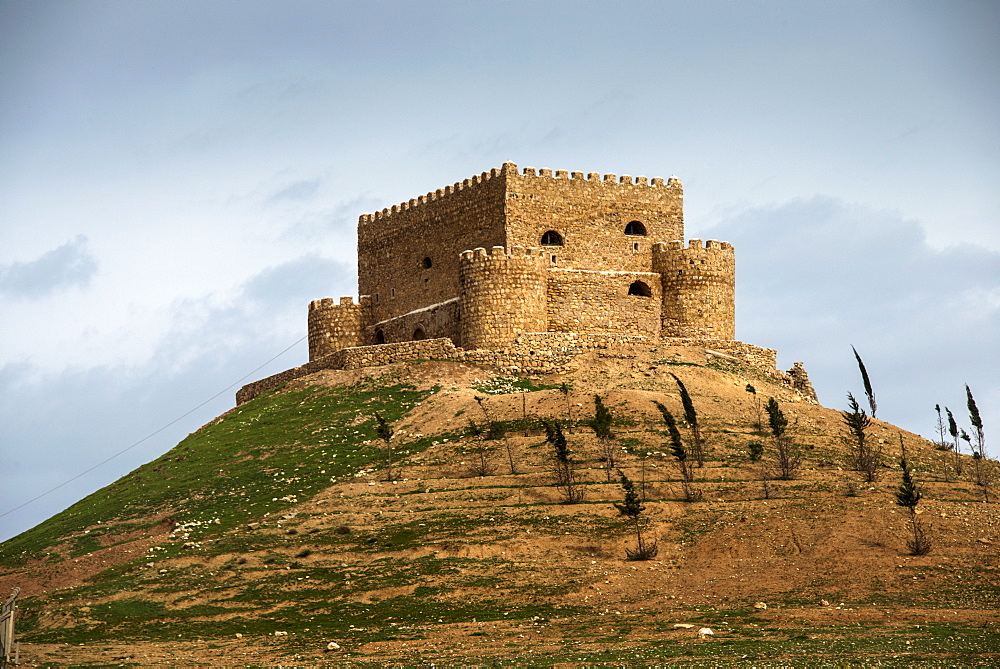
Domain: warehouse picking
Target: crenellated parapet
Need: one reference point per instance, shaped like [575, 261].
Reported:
[699, 288]
[335, 326]
[503, 293]
[511, 170]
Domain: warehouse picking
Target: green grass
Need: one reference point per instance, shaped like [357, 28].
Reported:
[262, 457]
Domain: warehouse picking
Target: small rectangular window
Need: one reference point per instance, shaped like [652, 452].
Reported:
[553, 260]
[635, 246]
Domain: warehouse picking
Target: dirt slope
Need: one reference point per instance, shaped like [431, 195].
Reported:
[444, 565]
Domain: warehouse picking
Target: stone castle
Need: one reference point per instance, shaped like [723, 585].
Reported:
[521, 268]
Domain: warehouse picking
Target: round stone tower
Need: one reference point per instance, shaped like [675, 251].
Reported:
[335, 326]
[699, 289]
[503, 293]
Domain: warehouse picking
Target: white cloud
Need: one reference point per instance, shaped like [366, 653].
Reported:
[70, 265]
[816, 276]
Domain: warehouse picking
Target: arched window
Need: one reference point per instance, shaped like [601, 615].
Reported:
[426, 263]
[552, 238]
[635, 228]
[419, 334]
[379, 336]
[641, 289]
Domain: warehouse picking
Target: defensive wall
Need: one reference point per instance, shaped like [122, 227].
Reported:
[525, 268]
[529, 353]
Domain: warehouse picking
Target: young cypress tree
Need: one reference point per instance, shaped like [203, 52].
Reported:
[868, 384]
[680, 454]
[384, 432]
[691, 417]
[865, 455]
[759, 424]
[908, 495]
[953, 431]
[563, 470]
[631, 508]
[979, 450]
[602, 428]
[787, 457]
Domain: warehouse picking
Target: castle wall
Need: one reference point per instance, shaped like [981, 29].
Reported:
[699, 289]
[431, 322]
[335, 326]
[408, 255]
[503, 295]
[591, 214]
[589, 301]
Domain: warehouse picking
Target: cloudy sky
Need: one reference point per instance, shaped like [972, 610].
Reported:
[178, 179]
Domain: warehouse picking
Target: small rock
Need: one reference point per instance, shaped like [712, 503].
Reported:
[683, 626]
[163, 571]
[760, 606]
[705, 632]
[823, 602]
[333, 645]
[281, 634]
[239, 635]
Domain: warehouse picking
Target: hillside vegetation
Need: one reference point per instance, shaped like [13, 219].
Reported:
[272, 532]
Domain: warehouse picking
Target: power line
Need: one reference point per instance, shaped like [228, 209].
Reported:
[153, 434]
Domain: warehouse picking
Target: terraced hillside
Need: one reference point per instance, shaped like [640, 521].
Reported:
[272, 532]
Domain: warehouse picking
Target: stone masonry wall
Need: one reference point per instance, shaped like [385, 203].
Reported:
[591, 214]
[699, 289]
[430, 322]
[503, 294]
[586, 301]
[353, 358]
[408, 255]
[335, 326]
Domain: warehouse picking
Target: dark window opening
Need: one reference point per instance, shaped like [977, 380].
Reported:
[635, 246]
[426, 263]
[419, 334]
[553, 260]
[635, 228]
[552, 238]
[641, 289]
[379, 337]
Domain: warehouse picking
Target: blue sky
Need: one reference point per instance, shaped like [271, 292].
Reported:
[178, 179]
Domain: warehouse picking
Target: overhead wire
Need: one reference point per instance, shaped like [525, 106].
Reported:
[153, 434]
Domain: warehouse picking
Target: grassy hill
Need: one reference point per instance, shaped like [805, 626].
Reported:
[271, 532]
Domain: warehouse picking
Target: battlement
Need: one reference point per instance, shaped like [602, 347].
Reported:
[502, 253]
[693, 245]
[327, 303]
[511, 169]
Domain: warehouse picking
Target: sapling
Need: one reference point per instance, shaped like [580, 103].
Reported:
[953, 431]
[908, 495]
[631, 507]
[496, 431]
[606, 438]
[563, 473]
[482, 467]
[691, 417]
[940, 428]
[979, 450]
[680, 454]
[786, 457]
[384, 432]
[759, 424]
[868, 384]
[865, 453]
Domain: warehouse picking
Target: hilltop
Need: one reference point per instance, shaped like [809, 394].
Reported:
[271, 532]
